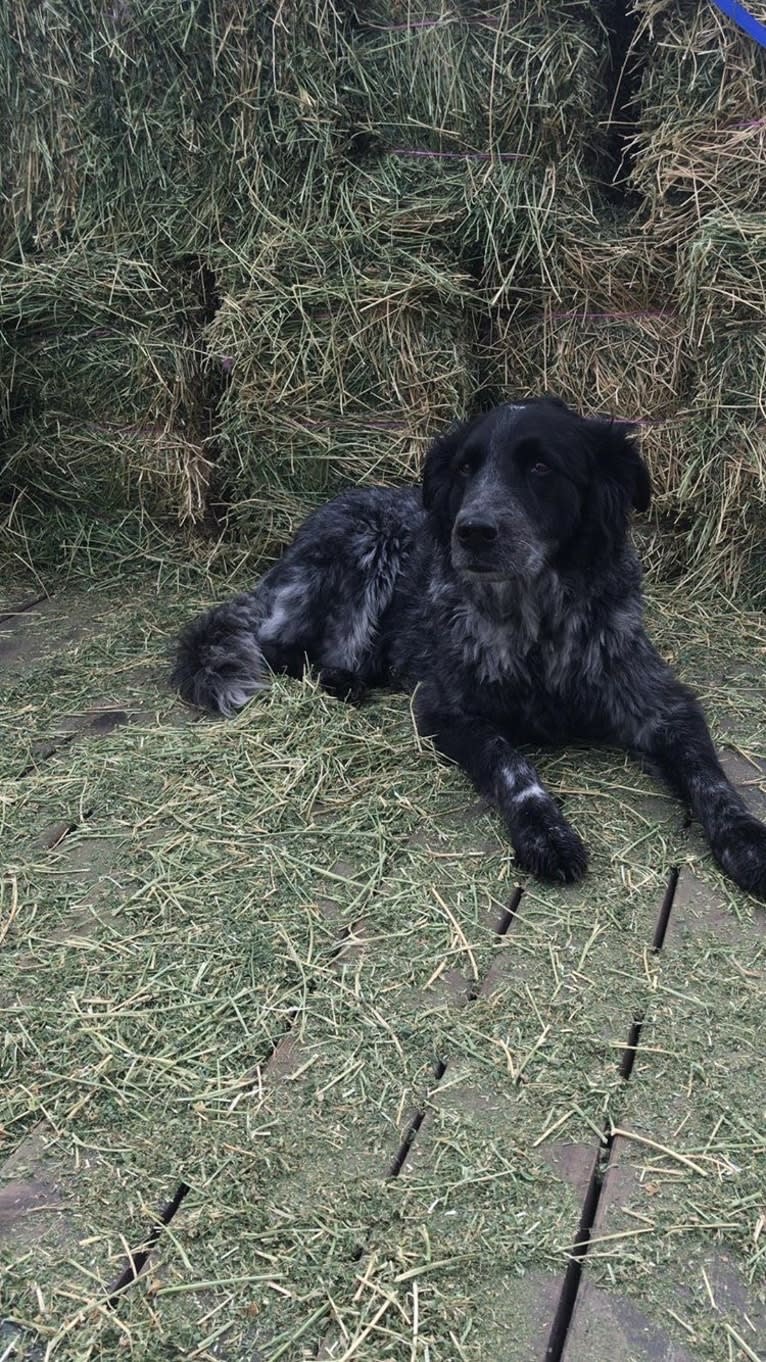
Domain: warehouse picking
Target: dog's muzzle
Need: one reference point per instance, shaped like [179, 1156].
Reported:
[484, 546]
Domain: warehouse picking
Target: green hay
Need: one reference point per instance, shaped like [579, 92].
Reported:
[702, 140]
[338, 375]
[502, 80]
[106, 407]
[731, 376]
[722, 274]
[288, 164]
[108, 469]
[709, 502]
[185, 126]
[633, 366]
[676, 1197]
[380, 196]
[184, 925]
[157, 952]
[177, 122]
[600, 262]
[87, 283]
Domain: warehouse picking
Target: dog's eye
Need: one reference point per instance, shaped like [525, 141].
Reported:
[465, 469]
[539, 470]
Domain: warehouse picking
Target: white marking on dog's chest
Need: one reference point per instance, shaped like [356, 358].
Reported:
[494, 650]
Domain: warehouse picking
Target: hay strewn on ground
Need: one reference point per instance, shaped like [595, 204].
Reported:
[250, 254]
[305, 869]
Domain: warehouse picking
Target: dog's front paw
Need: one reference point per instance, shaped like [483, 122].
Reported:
[547, 846]
[342, 684]
[741, 852]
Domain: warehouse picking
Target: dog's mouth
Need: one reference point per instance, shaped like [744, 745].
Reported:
[523, 565]
[480, 570]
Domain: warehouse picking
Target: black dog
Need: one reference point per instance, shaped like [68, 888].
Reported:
[508, 598]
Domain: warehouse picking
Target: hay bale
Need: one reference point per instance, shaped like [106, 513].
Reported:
[629, 364]
[405, 205]
[501, 221]
[731, 377]
[709, 501]
[722, 273]
[102, 365]
[701, 144]
[723, 509]
[166, 123]
[105, 470]
[516, 79]
[698, 166]
[603, 263]
[482, 128]
[340, 368]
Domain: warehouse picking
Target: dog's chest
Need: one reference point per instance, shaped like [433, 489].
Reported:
[490, 651]
[520, 653]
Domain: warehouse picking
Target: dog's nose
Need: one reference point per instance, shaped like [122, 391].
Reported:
[476, 532]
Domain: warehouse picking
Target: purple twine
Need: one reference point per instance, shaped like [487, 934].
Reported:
[459, 155]
[438, 21]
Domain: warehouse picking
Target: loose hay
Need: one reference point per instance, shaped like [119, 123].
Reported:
[191, 919]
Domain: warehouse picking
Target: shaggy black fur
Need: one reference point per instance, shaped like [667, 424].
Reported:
[507, 596]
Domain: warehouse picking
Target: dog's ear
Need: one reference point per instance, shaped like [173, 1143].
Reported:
[619, 461]
[436, 478]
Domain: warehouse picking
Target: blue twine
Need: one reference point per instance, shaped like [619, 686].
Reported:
[744, 19]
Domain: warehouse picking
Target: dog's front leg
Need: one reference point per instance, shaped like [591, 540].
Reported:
[675, 738]
[544, 842]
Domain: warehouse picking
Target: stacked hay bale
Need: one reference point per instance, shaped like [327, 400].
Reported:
[358, 179]
[590, 321]
[254, 252]
[653, 306]
[98, 355]
[355, 326]
[162, 126]
[141, 138]
[698, 169]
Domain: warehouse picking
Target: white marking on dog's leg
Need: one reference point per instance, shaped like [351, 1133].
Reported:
[272, 625]
[520, 786]
[533, 791]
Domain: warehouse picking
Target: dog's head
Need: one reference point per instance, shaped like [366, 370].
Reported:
[532, 484]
